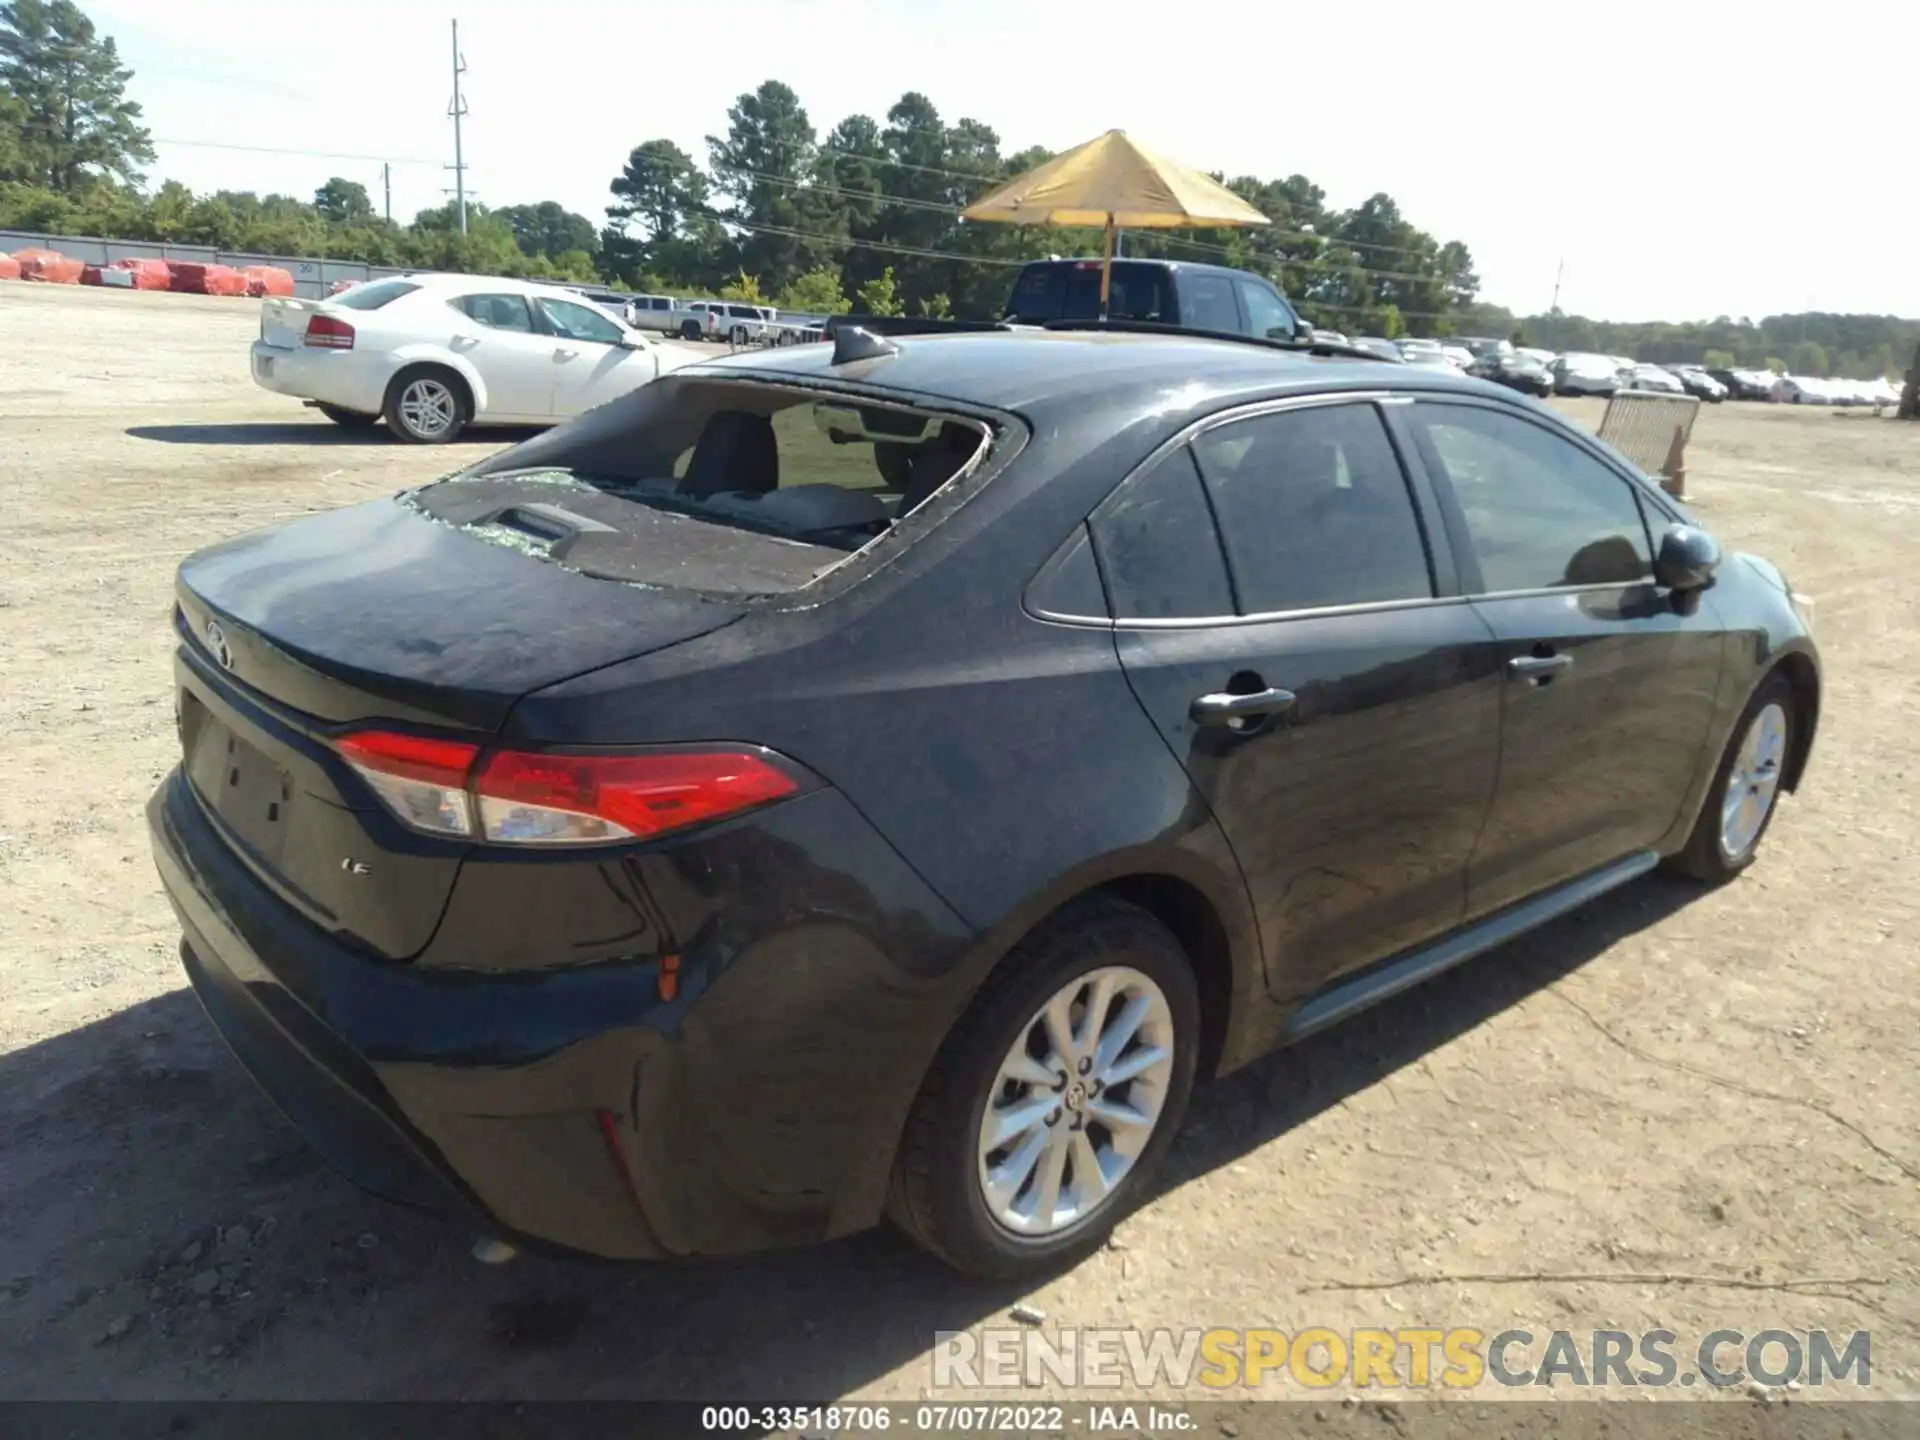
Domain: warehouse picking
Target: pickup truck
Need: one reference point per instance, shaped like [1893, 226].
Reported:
[730, 320]
[1165, 292]
[652, 312]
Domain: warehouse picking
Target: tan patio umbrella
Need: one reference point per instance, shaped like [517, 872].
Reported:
[1114, 183]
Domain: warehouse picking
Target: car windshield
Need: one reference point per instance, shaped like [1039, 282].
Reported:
[716, 485]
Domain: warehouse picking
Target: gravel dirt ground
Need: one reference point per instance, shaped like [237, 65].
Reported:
[1676, 1108]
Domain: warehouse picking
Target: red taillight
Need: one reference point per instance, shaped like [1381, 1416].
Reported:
[579, 799]
[526, 798]
[325, 332]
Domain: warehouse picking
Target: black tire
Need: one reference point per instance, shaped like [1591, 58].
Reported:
[1705, 858]
[935, 1195]
[352, 419]
[689, 330]
[448, 381]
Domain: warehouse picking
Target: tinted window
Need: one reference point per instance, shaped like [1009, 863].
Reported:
[1314, 510]
[498, 312]
[1206, 303]
[577, 322]
[1069, 583]
[1070, 290]
[1540, 511]
[1266, 315]
[1158, 550]
[374, 295]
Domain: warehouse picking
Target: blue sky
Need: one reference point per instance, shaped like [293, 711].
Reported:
[1685, 160]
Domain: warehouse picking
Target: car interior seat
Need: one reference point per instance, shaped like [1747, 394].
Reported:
[933, 465]
[736, 451]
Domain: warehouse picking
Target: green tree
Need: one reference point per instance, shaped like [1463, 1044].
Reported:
[13, 121]
[658, 190]
[343, 201]
[878, 297]
[743, 287]
[934, 307]
[550, 229]
[767, 167]
[74, 120]
[1718, 360]
[1807, 358]
[817, 292]
[661, 222]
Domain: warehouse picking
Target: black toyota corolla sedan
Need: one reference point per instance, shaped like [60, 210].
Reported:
[877, 779]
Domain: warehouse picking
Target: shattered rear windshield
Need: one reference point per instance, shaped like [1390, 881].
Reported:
[716, 485]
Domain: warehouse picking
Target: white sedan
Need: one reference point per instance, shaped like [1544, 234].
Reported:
[433, 354]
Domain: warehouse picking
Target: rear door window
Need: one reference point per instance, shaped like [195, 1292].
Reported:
[713, 485]
[1314, 510]
[498, 312]
[1206, 303]
[1158, 550]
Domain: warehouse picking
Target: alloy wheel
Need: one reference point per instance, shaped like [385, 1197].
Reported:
[428, 408]
[1753, 782]
[1075, 1102]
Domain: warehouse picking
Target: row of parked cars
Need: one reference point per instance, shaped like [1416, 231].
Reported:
[1156, 290]
[1543, 372]
[734, 322]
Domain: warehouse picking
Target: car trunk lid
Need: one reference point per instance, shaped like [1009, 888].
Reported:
[283, 323]
[374, 615]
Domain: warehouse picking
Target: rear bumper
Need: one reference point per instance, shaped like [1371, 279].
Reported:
[576, 1109]
[334, 377]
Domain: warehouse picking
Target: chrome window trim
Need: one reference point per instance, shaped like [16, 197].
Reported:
[1187, 434]
[1328, 612]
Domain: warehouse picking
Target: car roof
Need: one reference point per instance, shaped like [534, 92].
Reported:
[490, 284]
[1035, 372]
[1197, 267]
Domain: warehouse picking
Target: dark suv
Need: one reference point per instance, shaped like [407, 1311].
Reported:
[1164, 292]
[877, 778]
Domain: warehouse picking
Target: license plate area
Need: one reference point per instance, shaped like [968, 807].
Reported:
[251, 795]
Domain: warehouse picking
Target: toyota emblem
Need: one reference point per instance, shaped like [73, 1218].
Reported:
[217, 643]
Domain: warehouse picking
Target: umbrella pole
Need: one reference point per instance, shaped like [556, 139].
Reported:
[1106, 269]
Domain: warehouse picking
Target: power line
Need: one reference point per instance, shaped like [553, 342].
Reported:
[692, 166]
[881, 245]
[309, 154]
[886, 197]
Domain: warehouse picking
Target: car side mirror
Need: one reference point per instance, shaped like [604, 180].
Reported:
[1686, 561]
[632, 340]
[1302, 330]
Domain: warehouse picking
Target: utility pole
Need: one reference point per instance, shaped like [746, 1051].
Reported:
[457, 108]
[1558, 272]
[386, 184]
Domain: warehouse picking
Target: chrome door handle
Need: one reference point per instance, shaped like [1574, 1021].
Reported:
[1538, 667]
[1224, 709]
[565, 354]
